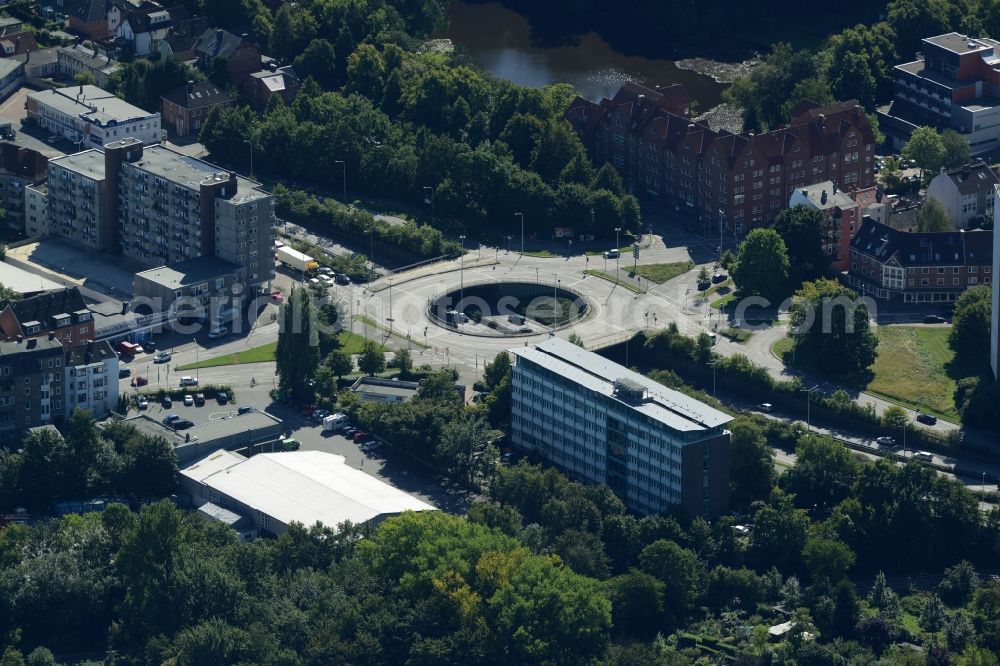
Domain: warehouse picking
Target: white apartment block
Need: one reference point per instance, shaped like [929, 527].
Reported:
[603, 423]
[92, 378]
[91, 116]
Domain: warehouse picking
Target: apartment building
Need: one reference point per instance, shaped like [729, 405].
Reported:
[187, 107]
[918, 267]
[73, 60]
[603, 423]
[80, 206]
[953, 83]
[36, 210]
[200, 288]
[843, 212]
[61, 313]
[964, 193]
[89, 114]
[20, 167]
[744, 179]
[31, 385]
[91, 380]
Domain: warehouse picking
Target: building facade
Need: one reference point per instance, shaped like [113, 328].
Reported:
[20, 167]
[202, 288]
[954, 83]
[36, 210]
[186, 108]
[918, 267]
[31, 385]
[964, 193]
[11, 76]
[241, 56]
[79, 205]
[843, 213]
[277, 81]
[602, 423]
[61, 313]
[73, 60]
[91, 380]
[744, 179]
[88, 113]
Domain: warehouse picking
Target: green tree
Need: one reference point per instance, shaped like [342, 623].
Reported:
[854, 80]
[319, 61]
[891, 173]
[931, 217]
[956, 149]
[762, 265]
[636, 603]
[403, 360]
[751, 463]
[959, 584]
[557, 146]
[679, 570]
[779, 533]
[884, 598]
[496, 370]
[371, 360]
[823, 474]
[366, 72]
[934, 614]
[912, 20]
[222, 125]
[294, 28]
[340, 363]
[85, 78]
[971, 325]
[827, 560]
[832, 330]
[803, 230]
[926, 148]
[464, 449]
[894, 418]
[297, 354]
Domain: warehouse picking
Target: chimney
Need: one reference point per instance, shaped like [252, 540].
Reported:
[244, 38]
[52, 335]
[190, 87]
[690, 127]
[81, 88]
[835, 188]
[124, 307]
[31, 343]
[822, 197]
[218, 34]
[20, 339]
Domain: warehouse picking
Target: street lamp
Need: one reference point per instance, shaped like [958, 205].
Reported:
[344, 167]
[522, 231]
[250, 143]
[617, 253]
[714, 365]
[461, 272]
[429, 199]
[555, 303]
[390, 320]
[809, 392]
[508, 243]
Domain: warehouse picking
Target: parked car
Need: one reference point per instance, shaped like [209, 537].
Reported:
[277, 297]
[124, 372]
[139, 380]
[219, 332]
[935, 319]
[222, 398]
[766, 407]
[359, 436]
[923, 456]
[370, 445]
[289, 444]
[188, 381]
[246, 409]
[162, 357]
[612, 254]
[183, 424]
[149, 345]
[142, 402]
[188, 400]
[886, 441]
[349, 432]
[199, 399]
[325, 270]
[343, 278]
[170, 418]
[167, 402]
[719, 277]
[927, 419]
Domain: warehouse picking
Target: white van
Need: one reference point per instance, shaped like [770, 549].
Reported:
[189, 381]
[334, 422]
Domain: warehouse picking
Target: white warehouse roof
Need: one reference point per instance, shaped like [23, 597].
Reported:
[302, 486]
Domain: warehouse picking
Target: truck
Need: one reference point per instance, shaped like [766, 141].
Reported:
[295, 259]
[128, 348]
[334, 422]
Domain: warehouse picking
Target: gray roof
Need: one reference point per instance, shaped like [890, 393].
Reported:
[88, 57]
[89, 103]
[385, 387]
[217, 43]
[216, 512]
[913, 248]
[89, 163]
[973, 178]
[8, 65]
[596, 373]
[251, 422]
[198, 95]
[43, 307]
[9, 21]
[39, 56]
[181, 169]
[92, 352]
[192, 271]
[957, 43]
[825, 195]
[24, 282]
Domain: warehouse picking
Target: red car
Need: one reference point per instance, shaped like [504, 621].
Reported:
[308, 410]
[139, 381]
[360, 436]
[276, 297]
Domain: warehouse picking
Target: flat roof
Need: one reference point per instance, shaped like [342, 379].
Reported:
[834, 197]
[190, 271]
[90, 103]
[216, 512]
[596, 373]
[8, 65]
[90, 163]
[303, 486]
[24, 282]
[190, 171]
[207, 432]
[378, 389]
[957, 43]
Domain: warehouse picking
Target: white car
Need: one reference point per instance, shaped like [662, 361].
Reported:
[188, 400]
[189, 381]
[162, 357]
[220, 332]
[142, 402]
[886, 441]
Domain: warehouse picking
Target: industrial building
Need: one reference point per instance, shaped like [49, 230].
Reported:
[603, 423]
[273, 490]
[254, 429]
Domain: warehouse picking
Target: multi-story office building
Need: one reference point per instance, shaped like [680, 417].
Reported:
[746, 179]
[161, 208]
[954, 82]
[79, 206]
[91, 380]
[918, 267]
[603, 423]
[31, 385]
[87, 113]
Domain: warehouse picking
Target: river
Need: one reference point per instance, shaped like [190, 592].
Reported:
[501, 41]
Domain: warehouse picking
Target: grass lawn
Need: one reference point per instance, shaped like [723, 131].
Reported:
[628, 284]
[727, 285]
[623, 250]
[911, 368]
[660, 273]
[543, 254]
[349, 342]
[365, 319]
[781, 349]
[725, 302]
[736, 334]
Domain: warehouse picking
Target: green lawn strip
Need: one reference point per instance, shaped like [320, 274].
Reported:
[351, 343]
[623, 250]
[781, 348]
[540, 254]
[611, 278]
[714, 288]
[365, 319]
[724, 302]
[260, 354]
[736, 334]
[911, 369]
[660, 273]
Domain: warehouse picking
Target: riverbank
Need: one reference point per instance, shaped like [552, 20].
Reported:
[721, 72]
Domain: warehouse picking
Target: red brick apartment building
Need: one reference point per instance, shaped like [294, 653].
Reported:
[747, 178]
